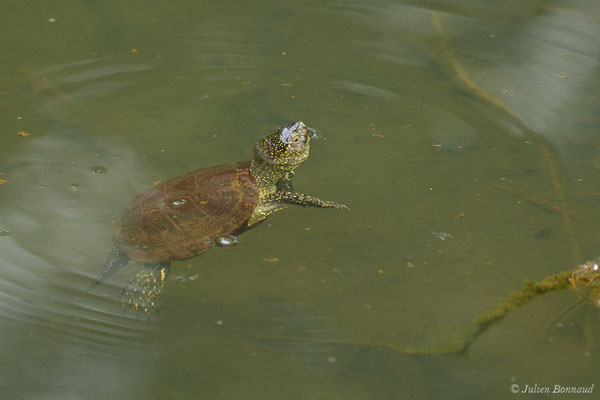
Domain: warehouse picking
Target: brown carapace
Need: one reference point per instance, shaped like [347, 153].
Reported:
[183, 217]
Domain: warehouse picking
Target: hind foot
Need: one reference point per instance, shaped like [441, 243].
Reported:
[141, 292]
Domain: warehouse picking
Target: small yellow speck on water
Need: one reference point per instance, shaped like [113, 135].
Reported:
[409, 264]
[380, 271]
[133, 51]
[23, 133]
[203, 202]
[156, 183]
[3, 181]
[307, 229]
[271, 260]
[42, 187]
[287, 84]
[492, 35]
[189, 266]
[502, 178]
[560, 54]
[246, 82]
[460, 216]
[460, 147]
[331, 359]
[292, 97]
[563, 76]
[380, 136]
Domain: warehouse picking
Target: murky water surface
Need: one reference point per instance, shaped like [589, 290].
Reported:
[464, 136]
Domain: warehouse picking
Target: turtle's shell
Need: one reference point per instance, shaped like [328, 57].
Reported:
[182, 217]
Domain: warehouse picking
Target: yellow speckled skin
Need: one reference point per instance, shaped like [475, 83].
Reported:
[141, 292]
[185, 215]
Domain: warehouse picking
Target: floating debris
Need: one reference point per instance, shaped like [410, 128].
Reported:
[3, 181]
[74, 187]
[98, 170]
[133, 51]
[5, 233]
[271, 260]
[588, 276]
[183, 278]
[442, 235]
[23, 133]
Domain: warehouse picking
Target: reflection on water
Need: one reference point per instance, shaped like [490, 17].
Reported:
[462, 136]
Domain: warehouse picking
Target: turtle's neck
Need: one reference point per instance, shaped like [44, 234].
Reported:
[268, 174]
[272, 163]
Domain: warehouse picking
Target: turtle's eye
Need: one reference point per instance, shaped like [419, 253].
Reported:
[295, 139]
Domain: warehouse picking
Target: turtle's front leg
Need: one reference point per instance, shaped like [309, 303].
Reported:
[303, 200]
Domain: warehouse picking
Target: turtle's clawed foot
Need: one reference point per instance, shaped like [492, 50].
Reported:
[341, 206]
[329, 204]
[141, 292]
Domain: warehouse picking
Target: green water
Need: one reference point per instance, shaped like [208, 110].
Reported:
[463, 135]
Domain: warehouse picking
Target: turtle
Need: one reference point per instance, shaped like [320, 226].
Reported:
[186, 215]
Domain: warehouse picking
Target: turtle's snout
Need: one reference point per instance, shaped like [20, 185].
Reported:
[295, 136]
[304, 136]
[302, 131]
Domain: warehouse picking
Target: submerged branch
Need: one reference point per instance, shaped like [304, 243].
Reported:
[585, 276]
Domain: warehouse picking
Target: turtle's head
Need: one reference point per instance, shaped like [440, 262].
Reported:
[287, 147]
